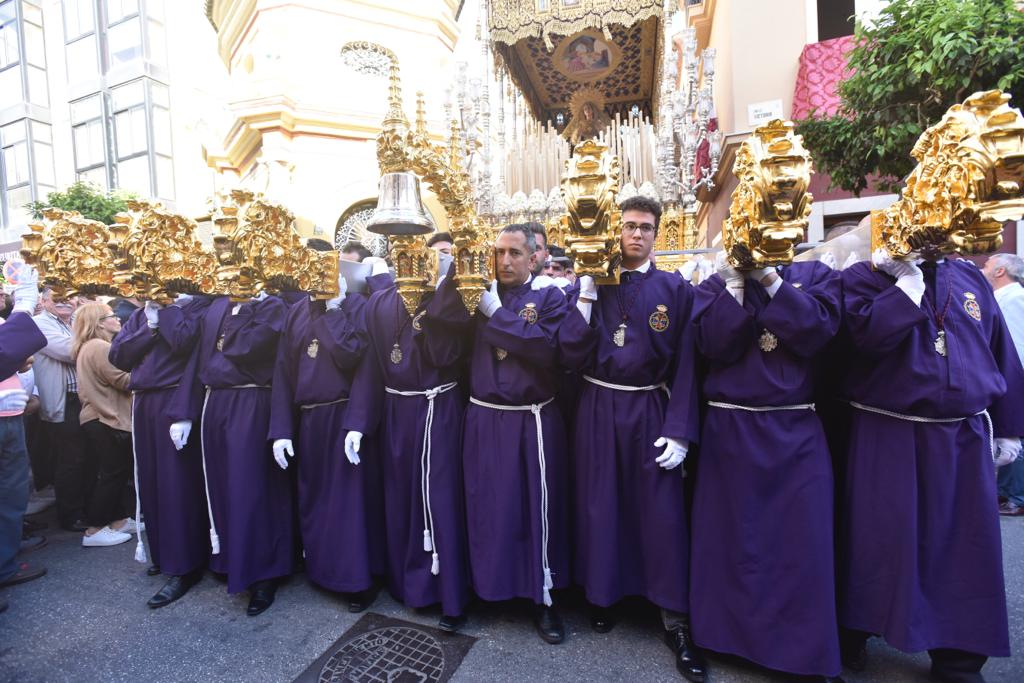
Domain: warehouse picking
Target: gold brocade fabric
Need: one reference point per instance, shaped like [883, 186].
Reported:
[514, 20]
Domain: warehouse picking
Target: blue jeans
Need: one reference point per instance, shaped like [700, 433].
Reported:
[1011, 481]
[13, 491]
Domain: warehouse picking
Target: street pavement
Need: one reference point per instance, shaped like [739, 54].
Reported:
[87, 621]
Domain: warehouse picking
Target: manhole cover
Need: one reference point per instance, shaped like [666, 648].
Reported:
[394, 654]
[378, 649]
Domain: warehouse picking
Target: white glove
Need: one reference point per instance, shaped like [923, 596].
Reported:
[850, 260]
[1007, 451]
[541, 281]
[908, 276]
[282, 447]
[733, 278]
[335, 303]
[774, 285]
[379, 265]
[560, 282]
[182, 299]
[352, 442]
[490, 301]
[152, 311]
[705, 270]
[13, 400]
[588, 290]
[686, 270]
[260, 296]
[26, 292]
[179, 433]
[674, 453]
[829, 259]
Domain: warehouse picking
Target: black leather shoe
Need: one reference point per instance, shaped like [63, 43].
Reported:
[451, 624]
[690, 660]
[357, 602]
[261, 596]
[853, 651]
[601, 619]
[175, 587]
[153, 570]
[549, 625]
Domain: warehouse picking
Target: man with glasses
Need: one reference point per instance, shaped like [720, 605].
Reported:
[636, 417]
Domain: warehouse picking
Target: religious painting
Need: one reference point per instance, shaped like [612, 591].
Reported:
[587, 56]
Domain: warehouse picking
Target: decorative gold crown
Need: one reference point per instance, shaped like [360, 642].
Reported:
[769, 212]
[589, 186]
[258, 250]
[968, 181]
[70, 253]
[156, 253]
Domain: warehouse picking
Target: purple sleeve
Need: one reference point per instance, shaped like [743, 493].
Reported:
[1007, 416]
[179, 325]
[805, 319]
[444, 344]
[537, 341]
[282, 388]
[132, 343]
[723, 328]
[342, 333]
[682, 415]
[376, 283]
[19, 338]
[366, 397]
[877, 315]
[187, 403]
[577, 341]
[251, 335]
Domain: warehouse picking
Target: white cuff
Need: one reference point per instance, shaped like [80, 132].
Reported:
[774, 287]
[585, 308]
[913, 287]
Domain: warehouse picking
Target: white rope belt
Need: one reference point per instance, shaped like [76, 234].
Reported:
[310, 406]
[536, 409]
[242, 386]
[760, 409]
[934, 420]
[214, 538]
[429, 537]
[625, 387]
[140, 546]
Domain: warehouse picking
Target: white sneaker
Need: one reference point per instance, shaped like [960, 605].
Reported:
[131, 528]
[104, 537]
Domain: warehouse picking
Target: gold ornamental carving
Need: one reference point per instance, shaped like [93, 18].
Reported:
[968, 181]
[589, 186]
[156, 253]
[258, 250]
[510, 21]
[770, 208]
[401, 149]
[70, 253]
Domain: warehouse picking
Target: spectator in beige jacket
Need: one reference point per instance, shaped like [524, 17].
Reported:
[106, 422]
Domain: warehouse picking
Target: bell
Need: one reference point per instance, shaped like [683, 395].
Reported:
[399, 209]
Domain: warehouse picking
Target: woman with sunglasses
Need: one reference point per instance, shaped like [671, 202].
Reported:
[106, 421]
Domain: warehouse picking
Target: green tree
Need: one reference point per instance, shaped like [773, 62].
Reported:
[917, 59]
[87, 199]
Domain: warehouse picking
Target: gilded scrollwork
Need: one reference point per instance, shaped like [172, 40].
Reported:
[770, 208]
[969, 180]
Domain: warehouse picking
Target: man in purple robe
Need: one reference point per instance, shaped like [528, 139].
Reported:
[339, 505]
[157, 346]
[407, 392]
[637, 414]
[763, 584]
[933, 382]
[250, 496]
[514, 444]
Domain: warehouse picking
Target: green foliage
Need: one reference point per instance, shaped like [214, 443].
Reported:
[87, 199]
[918, 58]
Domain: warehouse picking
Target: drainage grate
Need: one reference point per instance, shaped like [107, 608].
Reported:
[381, 650]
